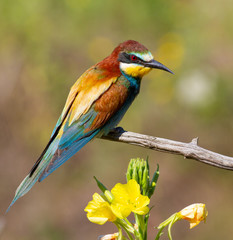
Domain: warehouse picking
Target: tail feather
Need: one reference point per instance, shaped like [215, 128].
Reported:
[31, 179]
[25, 186]
[22, 189]
[52, 159]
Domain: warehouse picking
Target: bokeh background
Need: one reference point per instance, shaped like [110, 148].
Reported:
[45, 45]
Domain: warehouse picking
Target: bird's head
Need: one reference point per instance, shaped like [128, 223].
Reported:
[136, 60]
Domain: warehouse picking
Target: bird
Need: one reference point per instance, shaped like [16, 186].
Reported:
[96, 103]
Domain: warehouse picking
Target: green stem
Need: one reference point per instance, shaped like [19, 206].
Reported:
[146, 218]
[120, 236]
[136, 233]
[168, 222]
[170, 226]
[128, 228]
[142, 226]
[159, 233]
[129, 224]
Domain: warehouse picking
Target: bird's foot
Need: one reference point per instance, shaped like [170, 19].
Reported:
[117, 130]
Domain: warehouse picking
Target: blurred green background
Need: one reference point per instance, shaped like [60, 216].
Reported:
[46, 45]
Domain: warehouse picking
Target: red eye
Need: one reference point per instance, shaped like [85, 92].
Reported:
[133, 58]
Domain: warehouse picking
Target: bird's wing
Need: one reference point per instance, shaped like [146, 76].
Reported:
[78, 129]
[73, 137]
[93, 83]
[74, 128]
[84, 92]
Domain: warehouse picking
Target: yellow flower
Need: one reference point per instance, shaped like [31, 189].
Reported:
[194, 213]
[99, 211]
[127, 199]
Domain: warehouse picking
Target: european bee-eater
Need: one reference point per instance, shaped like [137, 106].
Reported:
[96, 104]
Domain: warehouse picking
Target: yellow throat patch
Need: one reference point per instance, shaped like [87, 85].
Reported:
[134, 70]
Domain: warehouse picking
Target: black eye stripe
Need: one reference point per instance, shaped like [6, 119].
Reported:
[126, 58]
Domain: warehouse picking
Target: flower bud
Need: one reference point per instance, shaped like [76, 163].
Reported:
[194, 213]
[109, 196]
[152, 185]
[113, 236]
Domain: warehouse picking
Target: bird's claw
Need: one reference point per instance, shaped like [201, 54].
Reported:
[117, 130]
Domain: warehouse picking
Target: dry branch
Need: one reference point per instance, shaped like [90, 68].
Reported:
[188, 150]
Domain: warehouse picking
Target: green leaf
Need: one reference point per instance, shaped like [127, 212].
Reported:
[153, 182]
[100, 185]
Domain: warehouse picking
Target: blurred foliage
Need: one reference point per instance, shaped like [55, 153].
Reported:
[47, 44]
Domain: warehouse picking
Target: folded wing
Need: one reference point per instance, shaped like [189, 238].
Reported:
[74, 128]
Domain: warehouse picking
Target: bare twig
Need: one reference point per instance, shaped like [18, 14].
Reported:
[188, 150]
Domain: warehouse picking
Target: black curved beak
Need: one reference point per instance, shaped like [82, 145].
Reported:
[155, 64]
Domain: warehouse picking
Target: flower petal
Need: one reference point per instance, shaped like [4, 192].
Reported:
[120, 210]
[140, 205]
[133, 189]
[99, 211]
[141, 211]
[127, 198]
[120, 193]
